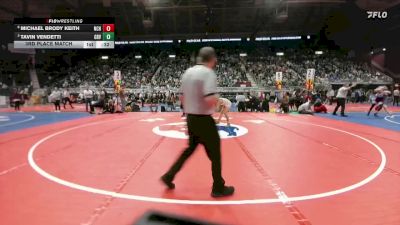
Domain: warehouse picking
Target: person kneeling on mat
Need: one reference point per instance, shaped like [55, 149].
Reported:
[103, 96]
[319, 107]
[305, 108]
[223, 107]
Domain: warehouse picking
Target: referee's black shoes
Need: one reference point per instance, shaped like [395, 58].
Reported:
[342, 115]
[168, 182]
[226, 191]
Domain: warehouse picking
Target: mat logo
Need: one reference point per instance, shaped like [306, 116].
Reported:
[179, 130]
[231, 130]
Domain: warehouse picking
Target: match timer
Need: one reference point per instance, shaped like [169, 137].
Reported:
[64, 33]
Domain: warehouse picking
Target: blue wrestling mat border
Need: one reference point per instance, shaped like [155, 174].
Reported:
[17, 121]
[381, 121]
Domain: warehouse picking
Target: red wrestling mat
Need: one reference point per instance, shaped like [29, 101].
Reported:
[287, 169]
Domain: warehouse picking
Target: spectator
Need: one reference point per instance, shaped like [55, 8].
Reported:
[241, 102]
[285, 103]
[396, 96]
[88, 96]
[66, 98]
[17, 99]
[56, 97]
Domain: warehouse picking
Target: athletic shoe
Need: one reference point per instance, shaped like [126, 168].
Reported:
[226, 191]
[334, 114]
[168, 182]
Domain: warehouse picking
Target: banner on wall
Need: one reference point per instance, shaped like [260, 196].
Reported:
[117, 80]
[117, 75]
[310, 79]
[278, 80]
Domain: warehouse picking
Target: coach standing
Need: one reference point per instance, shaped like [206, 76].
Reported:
[241, 102]
[396, 96]
[341, 98]
[88, 96]
[199, 87]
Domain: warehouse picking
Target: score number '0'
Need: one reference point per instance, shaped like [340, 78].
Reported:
[108, 28]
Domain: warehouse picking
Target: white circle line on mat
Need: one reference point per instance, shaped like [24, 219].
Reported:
[391, 121]
[31, 117]
[93, 190]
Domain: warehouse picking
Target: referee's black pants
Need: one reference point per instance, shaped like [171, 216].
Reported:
[241, 107]
[341, 102]
[202, 130]
[16, 105]
[396, 100]
[88, 101]
[65, 100]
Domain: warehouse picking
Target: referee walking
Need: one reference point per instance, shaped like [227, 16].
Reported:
[199, 87]
[341, 98]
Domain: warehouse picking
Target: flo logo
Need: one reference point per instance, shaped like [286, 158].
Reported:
[377, 14]
[179, 130]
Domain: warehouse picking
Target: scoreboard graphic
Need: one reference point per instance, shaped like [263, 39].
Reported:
[64, 33]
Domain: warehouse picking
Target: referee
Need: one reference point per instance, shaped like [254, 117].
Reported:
[199, 87]
[341, 99]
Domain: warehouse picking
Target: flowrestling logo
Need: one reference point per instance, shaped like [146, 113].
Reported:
[179, 130]
[377, 14]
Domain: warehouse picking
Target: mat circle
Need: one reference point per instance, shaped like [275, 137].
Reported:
[76, 186]
[12, 122]
[389, 119]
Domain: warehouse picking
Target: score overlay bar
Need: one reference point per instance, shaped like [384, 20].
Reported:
[64, 44]
[64, 33]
